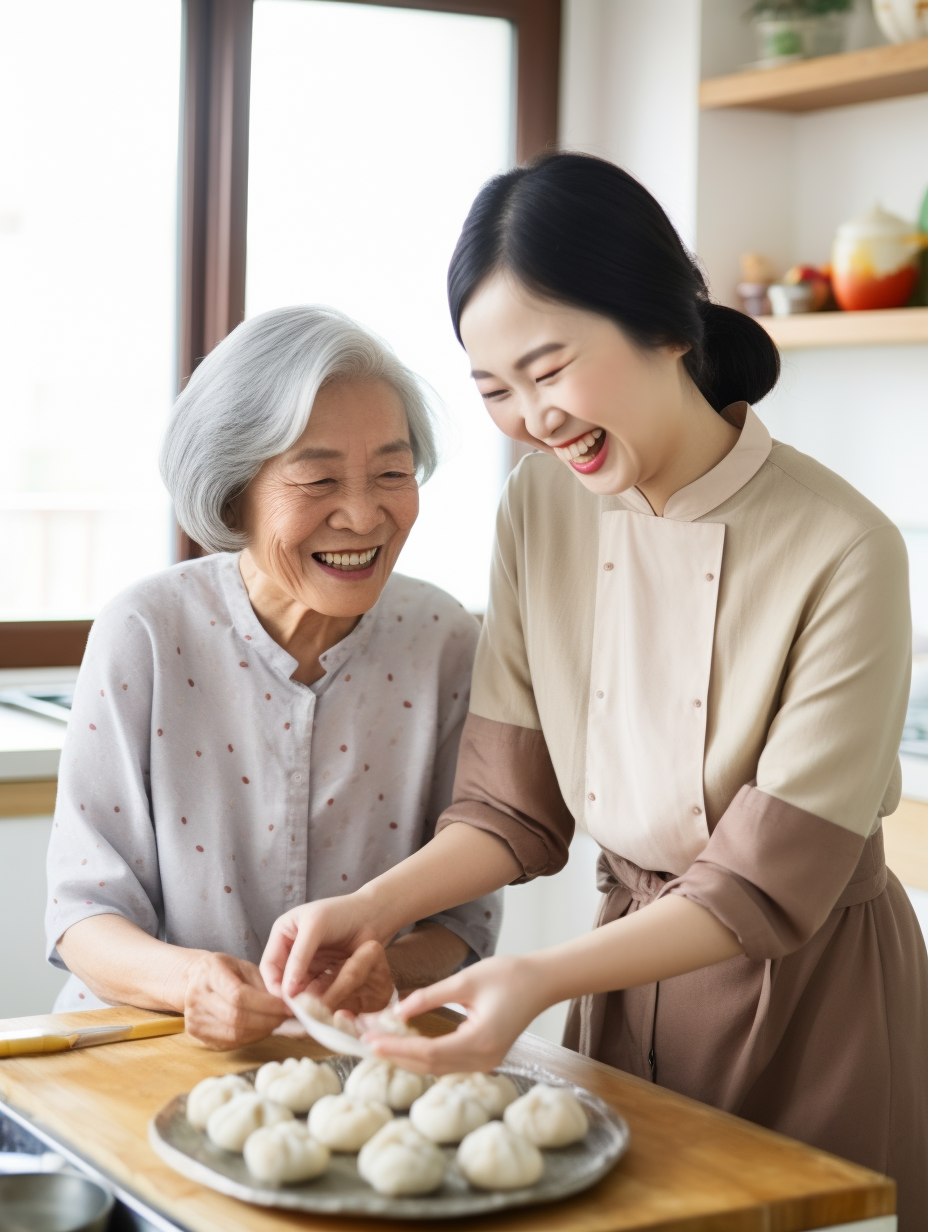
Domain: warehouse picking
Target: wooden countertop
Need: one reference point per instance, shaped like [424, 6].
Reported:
[688, 1169]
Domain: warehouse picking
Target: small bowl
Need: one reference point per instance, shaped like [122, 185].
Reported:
[53, 1202]
[788, 299]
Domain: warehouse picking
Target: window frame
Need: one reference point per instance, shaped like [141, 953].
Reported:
[213, 199]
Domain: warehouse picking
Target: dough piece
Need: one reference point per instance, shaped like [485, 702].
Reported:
[494, 1091]
[314, 1008]
[344, 1123]
[297, 1082]
[211, 1094]
[230, 1125]
[548, 1116]
[493, 1157]
[446, 1113]
[399, 1160]
[385, 1082]
[284, 1153]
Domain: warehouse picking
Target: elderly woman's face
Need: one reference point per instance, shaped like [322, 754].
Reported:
[327, 519]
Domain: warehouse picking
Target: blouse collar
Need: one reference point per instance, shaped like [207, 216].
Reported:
[250, 628]
[737, 468]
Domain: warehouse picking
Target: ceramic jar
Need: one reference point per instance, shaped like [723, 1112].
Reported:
[874, 261]
[902, 20]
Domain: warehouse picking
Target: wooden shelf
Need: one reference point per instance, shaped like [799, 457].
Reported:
[888, 327]
[28, 799]
[826, 81]
[905, 835]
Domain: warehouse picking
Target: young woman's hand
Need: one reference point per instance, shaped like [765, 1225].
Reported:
[226, 1003]
[501, 996]
[318, 940]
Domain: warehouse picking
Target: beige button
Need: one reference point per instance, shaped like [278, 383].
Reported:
[710, 577]
[591, 796]
[696, 809]
[297, 778]
[600, 693]
[697, 703]
[608, 565]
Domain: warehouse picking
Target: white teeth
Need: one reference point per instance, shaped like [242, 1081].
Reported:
[348, 560]
[577, 449]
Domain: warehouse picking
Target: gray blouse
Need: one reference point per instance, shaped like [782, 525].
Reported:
[202, 792]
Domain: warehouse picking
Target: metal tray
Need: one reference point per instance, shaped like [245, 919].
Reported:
[341, 1191]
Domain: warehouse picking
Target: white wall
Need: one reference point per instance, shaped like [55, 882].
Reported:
[630, 72]
[27, 984]
[550, 910]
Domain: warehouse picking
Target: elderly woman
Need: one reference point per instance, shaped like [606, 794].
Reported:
[277, 722]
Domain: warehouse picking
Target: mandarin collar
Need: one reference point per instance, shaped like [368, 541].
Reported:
[247, 625]
[737, 468]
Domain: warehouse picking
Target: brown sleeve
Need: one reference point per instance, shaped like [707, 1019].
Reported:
[771, 872]
[505, 784]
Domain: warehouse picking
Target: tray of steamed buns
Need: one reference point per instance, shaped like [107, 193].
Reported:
[349, 1136]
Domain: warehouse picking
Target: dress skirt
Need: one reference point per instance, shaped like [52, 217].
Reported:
[828, 1045]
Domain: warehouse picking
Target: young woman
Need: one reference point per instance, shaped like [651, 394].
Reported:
[697, 645]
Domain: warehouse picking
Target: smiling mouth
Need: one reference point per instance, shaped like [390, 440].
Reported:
[348, 562]
[583, 450]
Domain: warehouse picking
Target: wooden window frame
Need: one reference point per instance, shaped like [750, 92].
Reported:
[216, 83]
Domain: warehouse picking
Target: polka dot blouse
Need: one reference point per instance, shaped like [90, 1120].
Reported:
[202, 792]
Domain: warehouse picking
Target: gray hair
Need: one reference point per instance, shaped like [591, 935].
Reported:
[250, 399]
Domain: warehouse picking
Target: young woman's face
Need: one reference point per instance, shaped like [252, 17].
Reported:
[326, 519]
[570, 382]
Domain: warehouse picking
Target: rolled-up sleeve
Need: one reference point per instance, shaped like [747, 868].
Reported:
[784, 851]
[102, 857]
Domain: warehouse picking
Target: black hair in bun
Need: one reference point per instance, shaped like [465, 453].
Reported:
[581, 230]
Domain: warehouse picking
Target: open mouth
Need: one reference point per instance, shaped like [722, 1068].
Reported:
[351, 564]
[587, 453]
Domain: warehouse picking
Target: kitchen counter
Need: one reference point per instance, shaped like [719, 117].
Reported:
[688, 1169]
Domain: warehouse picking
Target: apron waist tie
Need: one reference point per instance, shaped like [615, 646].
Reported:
[627, 887]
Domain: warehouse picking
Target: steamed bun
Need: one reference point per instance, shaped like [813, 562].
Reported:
[548, 1116]
[230, 1125]
[344, 1123]
[211, 1094]
[385, 1082]
[296, 1083]
[494, 1091]
[446, 1113]
[284, 1153]
[493, 1157]
[399, 1160]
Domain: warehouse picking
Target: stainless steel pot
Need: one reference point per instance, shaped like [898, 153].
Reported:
[53, 1202]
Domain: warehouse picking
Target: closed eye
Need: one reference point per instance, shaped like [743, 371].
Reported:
[548, 375]
[494, 394]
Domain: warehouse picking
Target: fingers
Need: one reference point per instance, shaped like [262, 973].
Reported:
[462, 1050]
[454, 988]
[364, 980]
[227, 1005]
[277, 951]
[306, 942]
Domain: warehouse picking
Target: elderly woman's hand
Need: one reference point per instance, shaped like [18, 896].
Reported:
[226, 1003]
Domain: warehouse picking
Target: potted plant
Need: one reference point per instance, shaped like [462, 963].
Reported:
[788, 30]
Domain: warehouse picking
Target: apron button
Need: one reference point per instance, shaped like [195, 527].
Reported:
[591, 796]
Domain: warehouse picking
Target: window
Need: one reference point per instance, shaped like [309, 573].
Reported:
[89, 96]
[371, 130]
[110, 294]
